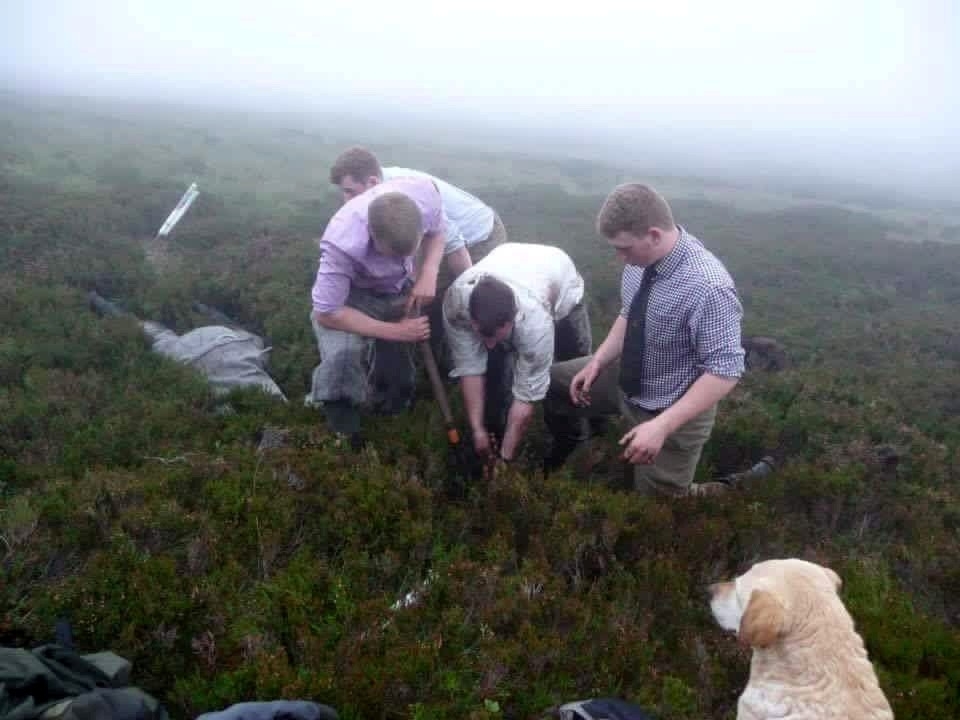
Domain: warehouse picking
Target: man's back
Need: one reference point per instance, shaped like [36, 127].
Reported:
[546, 286]
[467, 215]
[540, 274]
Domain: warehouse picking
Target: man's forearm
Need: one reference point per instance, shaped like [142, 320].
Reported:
[612, 346]
[432, 254]
[706, 392]
[518, 420]
[351, 320]
[472, 387]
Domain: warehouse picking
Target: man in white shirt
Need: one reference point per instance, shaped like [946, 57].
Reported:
[524, 299]
[472, 228]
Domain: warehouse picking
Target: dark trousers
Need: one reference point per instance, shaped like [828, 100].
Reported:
[572, 338]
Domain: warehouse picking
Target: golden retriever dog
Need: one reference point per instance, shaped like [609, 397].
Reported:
[808, 661]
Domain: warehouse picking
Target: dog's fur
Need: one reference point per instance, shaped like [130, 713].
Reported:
[808, 661]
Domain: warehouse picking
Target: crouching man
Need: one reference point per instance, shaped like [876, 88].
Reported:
[672, 354]
[507, 319]
[364, 292]
[471, 227]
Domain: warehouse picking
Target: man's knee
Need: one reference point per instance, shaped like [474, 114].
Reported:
[344, 358]
[557, 400]
[558, 395]
[563, 371]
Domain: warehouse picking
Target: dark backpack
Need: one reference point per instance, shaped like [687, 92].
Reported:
[602, 709]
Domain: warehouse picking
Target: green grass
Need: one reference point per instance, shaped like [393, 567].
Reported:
[131, 505]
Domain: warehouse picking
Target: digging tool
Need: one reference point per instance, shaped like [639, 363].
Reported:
[459, 466]
[458, 463]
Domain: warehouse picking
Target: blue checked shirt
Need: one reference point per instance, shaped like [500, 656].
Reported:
[693, 322]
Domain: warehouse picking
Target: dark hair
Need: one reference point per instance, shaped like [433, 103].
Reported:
[357, 162]
[492, 305]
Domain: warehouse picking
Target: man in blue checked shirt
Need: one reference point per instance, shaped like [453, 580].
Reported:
[671, 355]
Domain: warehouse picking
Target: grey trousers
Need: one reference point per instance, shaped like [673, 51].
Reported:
[362, 372]
[673, 471]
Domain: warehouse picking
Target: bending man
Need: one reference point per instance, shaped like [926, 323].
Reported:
[508, 318]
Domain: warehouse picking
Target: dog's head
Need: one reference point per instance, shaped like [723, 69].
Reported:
[761, 605]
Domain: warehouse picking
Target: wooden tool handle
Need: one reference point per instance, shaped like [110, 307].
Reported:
[439, 391]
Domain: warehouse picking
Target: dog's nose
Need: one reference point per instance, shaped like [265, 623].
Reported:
[709, 591]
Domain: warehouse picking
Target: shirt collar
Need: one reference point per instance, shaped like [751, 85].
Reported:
[666, 265]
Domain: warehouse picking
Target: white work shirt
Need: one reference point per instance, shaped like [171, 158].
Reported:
[546, 286]
[468, 220]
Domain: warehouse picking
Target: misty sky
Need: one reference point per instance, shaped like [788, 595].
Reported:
[864, 70]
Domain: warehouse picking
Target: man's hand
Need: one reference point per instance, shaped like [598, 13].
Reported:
[412, 330]
[482, 444]
[423, 293]
[643, 442]
[581, 383]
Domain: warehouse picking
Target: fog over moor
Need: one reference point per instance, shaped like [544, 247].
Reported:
[859, 90]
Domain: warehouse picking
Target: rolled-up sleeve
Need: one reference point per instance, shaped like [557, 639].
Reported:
[531, 377]
[715, 327]
[468, 352]
[335, 273]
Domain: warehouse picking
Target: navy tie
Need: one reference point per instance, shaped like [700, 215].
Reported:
[631, 359]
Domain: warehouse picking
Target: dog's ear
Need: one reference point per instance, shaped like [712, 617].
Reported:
[763, 621]
[834, 578]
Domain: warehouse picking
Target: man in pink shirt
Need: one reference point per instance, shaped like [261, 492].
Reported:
[366, 288]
